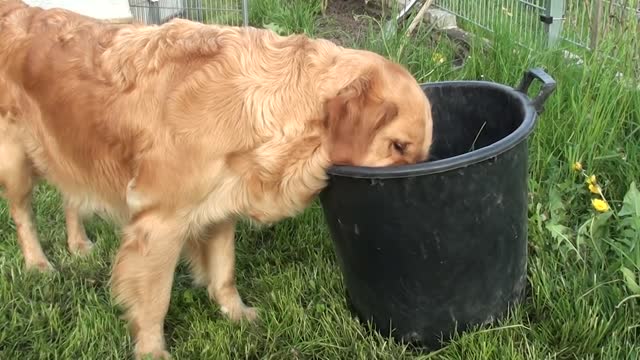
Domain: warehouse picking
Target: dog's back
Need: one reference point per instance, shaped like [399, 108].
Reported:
[53, 97]
[15, 20]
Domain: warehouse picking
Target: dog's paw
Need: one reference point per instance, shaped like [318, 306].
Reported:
[153, 355]
[152, 349]
[149, 344]
[241, 313]
[40, 265]
[80, 247]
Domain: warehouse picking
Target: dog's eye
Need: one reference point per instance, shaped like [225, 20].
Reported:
[399, 147]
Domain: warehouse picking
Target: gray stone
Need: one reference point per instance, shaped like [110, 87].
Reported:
[440, 19]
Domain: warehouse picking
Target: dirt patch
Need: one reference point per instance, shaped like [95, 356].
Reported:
[343, 21]
[346, 22]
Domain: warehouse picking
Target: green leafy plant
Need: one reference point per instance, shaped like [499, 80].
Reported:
[629, 230]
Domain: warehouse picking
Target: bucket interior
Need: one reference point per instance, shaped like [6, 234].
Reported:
[471, 116]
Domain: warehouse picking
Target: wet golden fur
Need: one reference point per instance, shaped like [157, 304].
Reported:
[177, 131]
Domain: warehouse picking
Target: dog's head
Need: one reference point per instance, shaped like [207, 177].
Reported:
[382, 118]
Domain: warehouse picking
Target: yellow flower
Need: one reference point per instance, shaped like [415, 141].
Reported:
[577, 166]
[592, 180]
[600, 205]
[438, 58]
[594, 188]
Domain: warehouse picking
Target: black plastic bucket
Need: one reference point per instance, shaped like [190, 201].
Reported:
[429, 249]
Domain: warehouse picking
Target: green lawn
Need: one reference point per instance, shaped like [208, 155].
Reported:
[584, 265]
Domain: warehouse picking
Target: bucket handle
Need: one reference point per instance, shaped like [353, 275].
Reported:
[549, 85]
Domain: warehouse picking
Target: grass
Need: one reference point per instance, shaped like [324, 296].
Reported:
[584, 265]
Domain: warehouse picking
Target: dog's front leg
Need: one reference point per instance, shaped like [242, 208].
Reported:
[212, 260]
[142, 277]
[77, 239]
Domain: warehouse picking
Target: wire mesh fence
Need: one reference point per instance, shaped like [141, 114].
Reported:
[404, 7]
[227, 12]
[520, 17]
[585, 22]
[578, 22]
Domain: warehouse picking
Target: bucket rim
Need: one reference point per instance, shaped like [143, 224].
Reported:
[455, 162]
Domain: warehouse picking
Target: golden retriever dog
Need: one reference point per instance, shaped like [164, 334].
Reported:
[179, 131]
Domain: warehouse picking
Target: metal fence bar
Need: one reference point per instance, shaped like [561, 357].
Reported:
[577, 22]
[554, 20]
[230, 12]
[578, 15]
[245, 12]
[518, 16]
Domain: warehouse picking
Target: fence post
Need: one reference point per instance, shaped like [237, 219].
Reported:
[553, 19]
[594, 30]
[245, 12]
[154, 11]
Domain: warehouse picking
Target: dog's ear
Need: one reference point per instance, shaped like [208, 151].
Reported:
[354, 116]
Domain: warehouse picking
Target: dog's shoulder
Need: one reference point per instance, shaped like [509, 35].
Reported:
[135, 52]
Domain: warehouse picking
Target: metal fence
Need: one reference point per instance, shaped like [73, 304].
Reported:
[585, 22]
[228, 12]
[520, 17]
[578, 22]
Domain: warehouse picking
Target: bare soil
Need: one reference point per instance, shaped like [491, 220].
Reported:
[343, 22]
